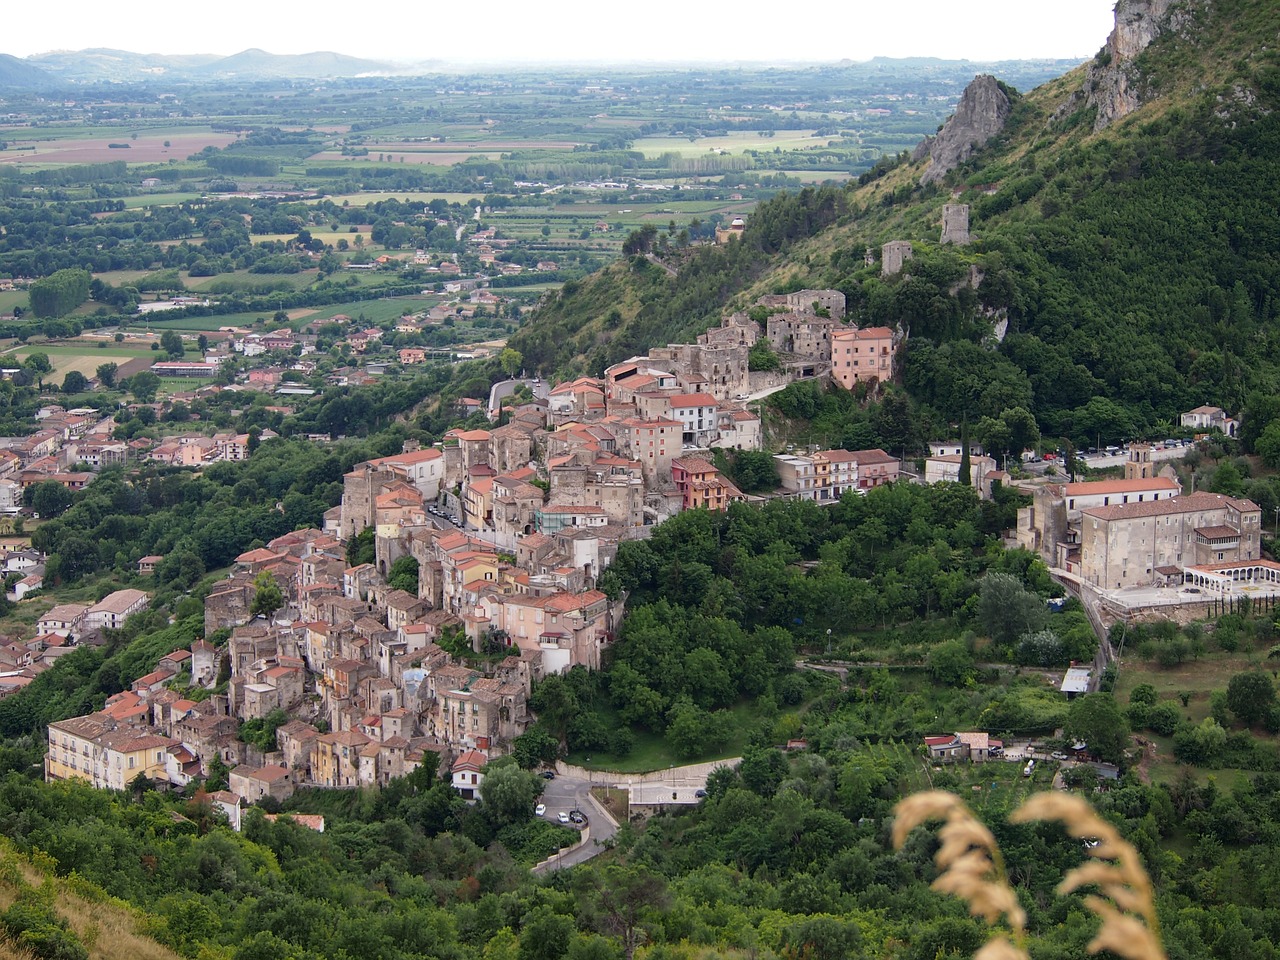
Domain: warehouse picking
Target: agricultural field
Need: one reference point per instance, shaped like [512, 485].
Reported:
[158, 199]
[735, 142]
[437, 158]
[145, 147]
[85, 358]
[363, 199]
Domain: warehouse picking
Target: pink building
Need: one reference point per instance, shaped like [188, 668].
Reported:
[861, 356]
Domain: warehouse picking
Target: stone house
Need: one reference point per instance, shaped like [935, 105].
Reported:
[255, 783]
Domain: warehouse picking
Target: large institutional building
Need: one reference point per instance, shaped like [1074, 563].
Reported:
[1143, 530]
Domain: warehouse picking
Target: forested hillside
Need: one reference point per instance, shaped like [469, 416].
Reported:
[1137, 267]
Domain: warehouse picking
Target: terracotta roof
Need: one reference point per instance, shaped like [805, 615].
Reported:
[1104, 487]
[867, 333]
[470, 760]
[693, 400]
[872, 456]
[1220, 532]
[270, 774]
[118, 602]
[1188, 503]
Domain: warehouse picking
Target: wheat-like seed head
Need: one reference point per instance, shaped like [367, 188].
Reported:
[972, 868]
[998, 948]
[1114, 868]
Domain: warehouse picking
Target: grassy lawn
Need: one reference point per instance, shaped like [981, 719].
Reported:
[195, 324]
[652, 752]
[13, 298]
[182, 384]
[1198, 680]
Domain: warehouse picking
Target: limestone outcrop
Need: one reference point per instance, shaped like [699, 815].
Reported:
[1112, 83]
[981, 114]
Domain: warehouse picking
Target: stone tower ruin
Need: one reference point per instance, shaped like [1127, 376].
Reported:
[955, 224]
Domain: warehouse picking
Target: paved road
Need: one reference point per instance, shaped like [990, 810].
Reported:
[568, 794]
[505, 388]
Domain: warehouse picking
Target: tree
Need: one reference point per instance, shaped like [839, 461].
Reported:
[362, 548]
[75, 382]
[48, 498]
[754, 471]
[107, 374]
[761, 357]
[59, 293]
[38, 363]
[535, 747]
[1008, 609]
[144, 386]
[171, 343]
[404, 575]
[626, 893]
[509, 793]
[510, 360]
[555, 703]
[1251, 696]
[1096, 719]
[267, 596]
[951, 663]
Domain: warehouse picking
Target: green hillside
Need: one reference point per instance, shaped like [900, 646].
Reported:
[1138, 266]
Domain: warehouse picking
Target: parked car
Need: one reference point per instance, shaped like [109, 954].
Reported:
[1059, 756]
[548, 774]
[576, 817]
[563, 816]
[540, 809]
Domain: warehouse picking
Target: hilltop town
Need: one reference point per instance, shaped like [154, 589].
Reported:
[504, 533]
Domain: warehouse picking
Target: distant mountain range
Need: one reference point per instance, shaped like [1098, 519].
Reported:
[18, 74]
[48, 71]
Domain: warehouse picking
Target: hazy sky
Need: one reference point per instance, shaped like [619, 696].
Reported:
[503, 30]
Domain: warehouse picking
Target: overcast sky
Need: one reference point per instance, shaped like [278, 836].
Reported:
[569, 30]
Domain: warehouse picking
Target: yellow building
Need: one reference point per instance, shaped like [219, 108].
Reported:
[94, 749]
[335, 760]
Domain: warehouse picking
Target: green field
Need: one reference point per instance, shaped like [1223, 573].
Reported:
[13, 298]
[364, 199]
[158, 200]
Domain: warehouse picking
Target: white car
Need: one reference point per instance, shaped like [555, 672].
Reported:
[562, 816]
[1059, 756]
[540, 809]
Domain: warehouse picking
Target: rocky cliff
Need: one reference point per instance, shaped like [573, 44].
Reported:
[1112, 82]
[983, 109]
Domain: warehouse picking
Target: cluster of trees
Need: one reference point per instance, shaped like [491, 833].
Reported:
[211, 517]
[60, 293]
[786, 854]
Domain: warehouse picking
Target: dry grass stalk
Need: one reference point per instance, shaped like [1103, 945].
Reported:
[971, 866]
[1130, 927]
